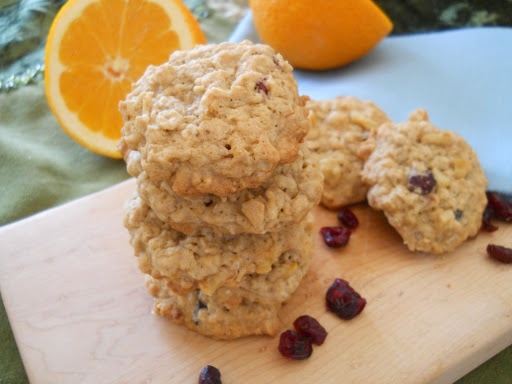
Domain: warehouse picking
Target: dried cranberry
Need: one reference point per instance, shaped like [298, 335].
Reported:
[343, 300]
[500, 253]
[310, 327]
[348, 218]
[261, 86]
[488, 215]
[210, 375]
[501, 207]
[424, 181]
[293, 345]
[335, 237]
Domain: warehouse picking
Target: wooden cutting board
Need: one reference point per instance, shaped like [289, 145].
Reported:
[80, 314]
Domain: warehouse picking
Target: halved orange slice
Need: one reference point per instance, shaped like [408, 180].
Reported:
[97, 48]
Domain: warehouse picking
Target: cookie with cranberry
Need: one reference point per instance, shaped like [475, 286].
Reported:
[427, 181]
[338, 127]
[207, 316]
[215, 119]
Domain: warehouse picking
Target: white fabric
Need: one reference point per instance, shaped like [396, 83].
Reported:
[463, 78]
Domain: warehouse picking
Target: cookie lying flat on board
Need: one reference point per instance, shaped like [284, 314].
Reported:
[229, 313]
[428, 182]
[216, 119]
[210, 317]
[338, 127]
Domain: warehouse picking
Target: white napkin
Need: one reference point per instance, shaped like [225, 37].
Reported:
[463, 78]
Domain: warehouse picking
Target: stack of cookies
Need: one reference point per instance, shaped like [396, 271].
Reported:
[220, 220]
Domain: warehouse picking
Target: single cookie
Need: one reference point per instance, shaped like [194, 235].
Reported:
[215, 119]
[284, 198]
[207, 259]
[338, 127]
[272, 287]
[207, 316]
[428, 182]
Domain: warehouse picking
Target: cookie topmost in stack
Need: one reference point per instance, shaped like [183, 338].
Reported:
[214, 120]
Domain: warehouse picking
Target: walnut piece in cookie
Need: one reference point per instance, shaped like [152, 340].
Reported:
[214, 120]
[338, 127]
[428, 182]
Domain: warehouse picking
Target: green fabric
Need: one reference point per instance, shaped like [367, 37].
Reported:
[497, 370]
[41, 167]
[11, 367]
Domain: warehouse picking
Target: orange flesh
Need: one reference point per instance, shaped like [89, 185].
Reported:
[100, 74]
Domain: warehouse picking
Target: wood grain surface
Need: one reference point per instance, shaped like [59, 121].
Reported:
[80, 313]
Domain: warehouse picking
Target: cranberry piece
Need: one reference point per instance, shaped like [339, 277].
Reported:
[488, 215]
[310, 327]
[210, 375]
[501, 207]
[335, 237]
[500, 253]
[293, 345]
[424, 181]
[260, 85]
[348, 218]
[343, 300]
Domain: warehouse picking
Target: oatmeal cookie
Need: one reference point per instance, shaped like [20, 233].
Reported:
[338, 127]
[214, 120]
[428, 182]
[207, 316]
[275, 286]
[207, 259]
[285, 197]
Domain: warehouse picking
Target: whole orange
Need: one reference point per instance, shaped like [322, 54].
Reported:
[320, 34]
